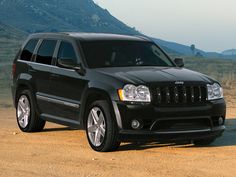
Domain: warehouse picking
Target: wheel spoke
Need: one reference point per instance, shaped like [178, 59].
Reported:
[22, 106]
[100, 119]
[95, 116]
[97, 138]
[102, 131]
[26, 120]
[92, 129]
[21, 116]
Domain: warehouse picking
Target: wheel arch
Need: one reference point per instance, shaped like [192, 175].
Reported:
[91, 95]
[23, 84]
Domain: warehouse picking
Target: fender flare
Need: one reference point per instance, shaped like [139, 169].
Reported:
[106, 92]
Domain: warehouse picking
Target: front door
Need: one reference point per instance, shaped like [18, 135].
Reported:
[66, 86]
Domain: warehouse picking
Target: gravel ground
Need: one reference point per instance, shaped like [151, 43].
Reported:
[60, 151]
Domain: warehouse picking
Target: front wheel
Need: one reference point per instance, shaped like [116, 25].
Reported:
[101, 128]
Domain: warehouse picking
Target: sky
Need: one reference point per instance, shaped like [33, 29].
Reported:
[209, 24]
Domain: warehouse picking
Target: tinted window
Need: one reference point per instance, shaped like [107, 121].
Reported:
[100, 54]
[45, 52]
[66, 51]
[29, 50]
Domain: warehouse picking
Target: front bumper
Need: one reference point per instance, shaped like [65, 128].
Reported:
[205, 115]
[132, 135]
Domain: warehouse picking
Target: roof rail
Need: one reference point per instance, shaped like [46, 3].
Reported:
[143, 37]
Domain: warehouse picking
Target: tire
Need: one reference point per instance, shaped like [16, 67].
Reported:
[204, 142]
[26, 113]
[101, 128]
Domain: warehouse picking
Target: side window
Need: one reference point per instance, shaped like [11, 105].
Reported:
[45, 52]
[66, 51]
[28, 50]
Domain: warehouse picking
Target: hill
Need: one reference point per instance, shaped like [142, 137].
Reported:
[10, 40]
[60, 15]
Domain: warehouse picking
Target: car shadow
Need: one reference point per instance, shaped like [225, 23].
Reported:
[229, 136]
[227, 139]
[145, 145]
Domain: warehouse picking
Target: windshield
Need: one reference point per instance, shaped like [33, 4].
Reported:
[101, 54]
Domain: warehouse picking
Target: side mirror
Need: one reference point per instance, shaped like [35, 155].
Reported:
[179, 62]
[70, 63]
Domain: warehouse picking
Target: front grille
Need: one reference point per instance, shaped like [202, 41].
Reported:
[180, 94]
[181, 124]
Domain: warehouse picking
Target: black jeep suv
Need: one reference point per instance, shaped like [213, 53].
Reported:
[117, 87]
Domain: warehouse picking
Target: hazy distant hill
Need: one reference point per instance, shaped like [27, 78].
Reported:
[178, 48]
[229, 52]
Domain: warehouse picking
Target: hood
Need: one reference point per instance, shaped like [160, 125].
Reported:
[144, 75]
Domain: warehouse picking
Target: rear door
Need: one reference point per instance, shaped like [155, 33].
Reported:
[66, 85]
[40, 69]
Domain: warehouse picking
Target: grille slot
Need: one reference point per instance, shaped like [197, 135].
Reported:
[180, 94]
[181, 124]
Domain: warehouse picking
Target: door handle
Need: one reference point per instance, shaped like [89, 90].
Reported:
[32, 71]
[55, 75]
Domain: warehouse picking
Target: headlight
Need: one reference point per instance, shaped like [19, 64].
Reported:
[135, 94]
[215, 91]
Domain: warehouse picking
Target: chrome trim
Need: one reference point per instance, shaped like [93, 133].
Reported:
[179, 83]
[53, 100]
[60, 120]
[185, 131]
[117, 114]
[41, 64]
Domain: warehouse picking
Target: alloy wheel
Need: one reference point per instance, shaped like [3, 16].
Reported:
[23, 111]
[96, 126]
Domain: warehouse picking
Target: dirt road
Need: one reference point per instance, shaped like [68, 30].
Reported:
[59, 151]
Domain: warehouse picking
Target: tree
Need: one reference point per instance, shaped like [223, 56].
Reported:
[193, 48]
[198, 54]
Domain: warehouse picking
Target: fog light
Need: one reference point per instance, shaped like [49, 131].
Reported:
[135, 124]
[221, 121]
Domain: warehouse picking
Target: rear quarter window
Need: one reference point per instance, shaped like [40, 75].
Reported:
[45, 52]
[28, 50]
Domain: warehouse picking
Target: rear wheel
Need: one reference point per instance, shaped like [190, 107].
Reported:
[27, 118]
[204, 142]
[101, 129]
